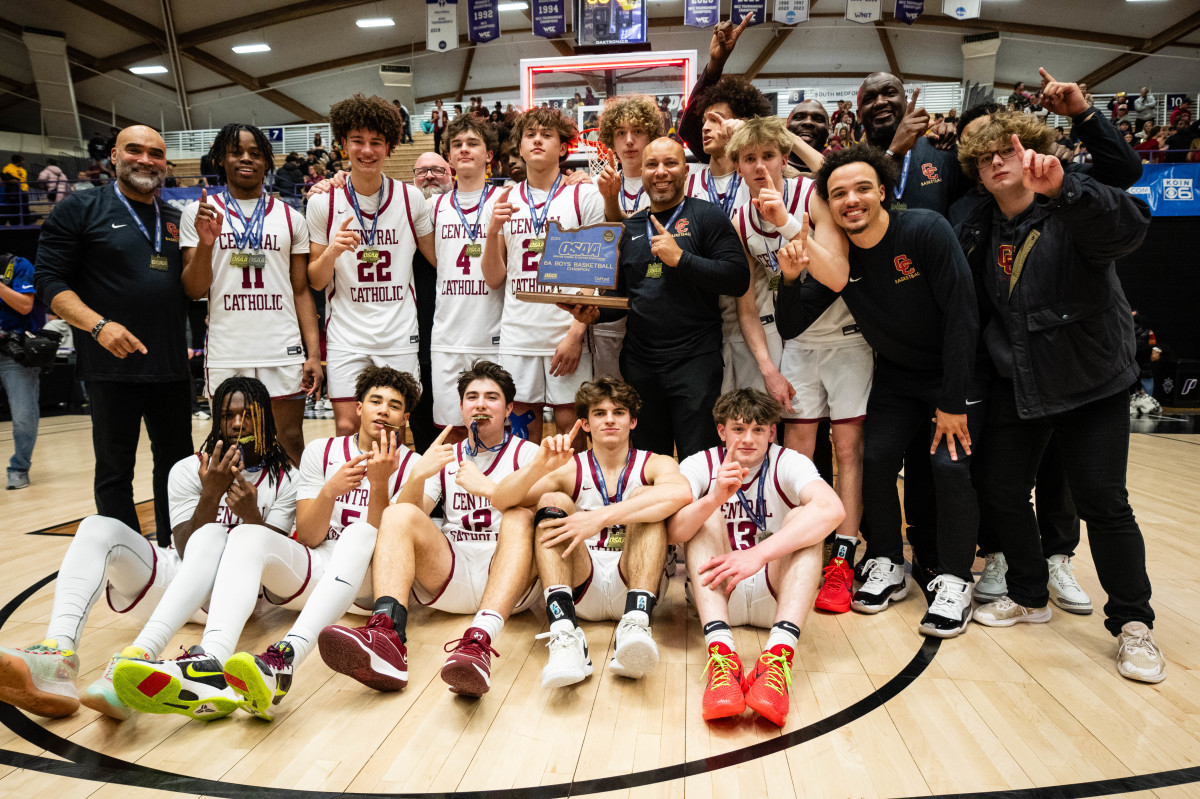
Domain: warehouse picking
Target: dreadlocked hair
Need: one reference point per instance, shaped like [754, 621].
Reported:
[258, 424]
[229, 139]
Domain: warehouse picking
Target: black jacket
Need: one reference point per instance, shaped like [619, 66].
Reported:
[1061, 327]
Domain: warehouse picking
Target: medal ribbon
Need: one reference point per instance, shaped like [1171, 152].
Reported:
[622, 480]
[472, 230]
[651, 232]
[368, 238]
[539, 223]
[479, 447]
[155, 242]
[724, 201]
[759, 513]
[637, 198]
[252, 228]
[899, 190]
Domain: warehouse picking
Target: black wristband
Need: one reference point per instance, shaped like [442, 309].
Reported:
[99, 326]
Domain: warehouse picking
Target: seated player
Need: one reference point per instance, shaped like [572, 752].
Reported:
[600, 551]
[756, 564]
[480, 562]
[541, 346]
[345, 483]
[240, 478]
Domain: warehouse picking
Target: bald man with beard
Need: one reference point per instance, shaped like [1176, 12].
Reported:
[809, 121]
[109, 264]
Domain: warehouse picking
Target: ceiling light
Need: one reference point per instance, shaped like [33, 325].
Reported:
[375, 22]
[251, 48]
[513, 6]
[148, 70]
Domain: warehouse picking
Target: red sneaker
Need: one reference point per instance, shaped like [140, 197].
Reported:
[723, 696]
[767, 687]
[374, 655]
[468, 670]
[835, 593]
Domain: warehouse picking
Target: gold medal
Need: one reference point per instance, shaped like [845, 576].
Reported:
[474, 250]
[369, 256]
[240, 260]
[773, 283]
[616, 537]
[654, 270]
[537, 245]
[159, 263]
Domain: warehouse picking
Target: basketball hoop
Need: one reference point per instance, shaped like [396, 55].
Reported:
[597, 154]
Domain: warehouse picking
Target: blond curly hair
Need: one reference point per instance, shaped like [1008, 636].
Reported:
[637, 110]
[997, 132]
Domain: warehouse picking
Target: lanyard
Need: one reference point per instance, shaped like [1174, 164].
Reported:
[479, 447]
[651, 232]
[156, 242]
[771, 254]
[539, 222]
[472, 230]
[637, 198]
[759, 512]
[899, 190]
[622, 480]
[252, 228]
[368, 238]
[724, 201]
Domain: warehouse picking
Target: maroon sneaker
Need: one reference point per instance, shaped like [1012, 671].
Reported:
[468, 670]
[374, 655]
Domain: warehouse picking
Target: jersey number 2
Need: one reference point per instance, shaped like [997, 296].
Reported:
[377, 272]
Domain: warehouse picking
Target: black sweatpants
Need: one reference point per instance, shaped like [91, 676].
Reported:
[677, 402]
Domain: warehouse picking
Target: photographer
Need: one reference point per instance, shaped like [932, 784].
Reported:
[20, 382]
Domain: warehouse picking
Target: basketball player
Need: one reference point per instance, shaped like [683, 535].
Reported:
[466, 316]
[240, 478]
[825, 372]
[541, 346]
[752, 561]
[251, 252]
[601, 536]
[344, 485]
[480, 562]
[627, 125]
[363, 238]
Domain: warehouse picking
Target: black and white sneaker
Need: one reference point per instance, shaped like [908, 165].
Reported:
[951, 609]
[924, 578]
[884, 583]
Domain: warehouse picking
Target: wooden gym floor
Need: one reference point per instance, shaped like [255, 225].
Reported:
[877, 710]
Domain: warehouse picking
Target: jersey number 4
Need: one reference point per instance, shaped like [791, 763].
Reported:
[378, 272]
[464, 261]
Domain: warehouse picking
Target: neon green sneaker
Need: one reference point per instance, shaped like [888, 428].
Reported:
[192, 685]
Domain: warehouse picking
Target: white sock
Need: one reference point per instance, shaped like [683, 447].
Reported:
[723, 635]
[490, 622]
[781, 636]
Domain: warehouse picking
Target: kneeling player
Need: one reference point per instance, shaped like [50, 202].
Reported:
[479, 562]
[240, 477]
[752, 563]
[345, 484]
[610, 544]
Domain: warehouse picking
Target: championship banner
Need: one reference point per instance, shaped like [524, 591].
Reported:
[907, 11]
[181, 197]
[549, 18]
[701, 13]
[742, 8]
[483, 20]
[442, 32]
[961, 9]
[864, 11]
[790, 12]
[1169, 189]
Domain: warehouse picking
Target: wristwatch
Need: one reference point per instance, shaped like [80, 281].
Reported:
[99, 326]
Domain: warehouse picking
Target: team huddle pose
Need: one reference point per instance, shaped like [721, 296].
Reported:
[851, 307]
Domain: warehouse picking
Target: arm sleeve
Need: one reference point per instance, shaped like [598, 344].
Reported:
[799, 305]
[695, 470]
[183, 490]
[692, 121]
[312, 471]
[282, 513]
[60, 246]
[954, 291]
[187, 226]
[317, 219]
[722, 269]
[422, 218]
[1113, 162]
[1104, 223]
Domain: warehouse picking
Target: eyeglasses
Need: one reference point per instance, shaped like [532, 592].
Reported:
[986, 160]
[429, 170]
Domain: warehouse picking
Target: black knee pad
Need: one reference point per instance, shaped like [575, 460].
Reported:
[548, 513]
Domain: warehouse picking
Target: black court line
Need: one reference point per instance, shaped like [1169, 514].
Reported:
[88, 764]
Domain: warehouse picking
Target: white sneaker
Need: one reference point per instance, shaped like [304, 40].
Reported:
[1064, 588]
[951, 608]
[1143, 403]
[1005, 613]
[40, 679]
[635, 653]
[884, 583]
[1138, 657]
[102, 697]
[568, 662]
[992, 583]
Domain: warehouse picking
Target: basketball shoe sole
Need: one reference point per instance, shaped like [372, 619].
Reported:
[148, 690]
[348, 654]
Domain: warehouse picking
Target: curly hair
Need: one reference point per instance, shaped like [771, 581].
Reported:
[486, 370]
[637, 111]
[975, 112]
[258, 424]
[997, 134]
[760, 132]
[402, 383]
[747, 405]
[740, 95]
[621, 394]
[366, 113]
[229, 140]
[551, 118]
[885, 168]
[465, 123]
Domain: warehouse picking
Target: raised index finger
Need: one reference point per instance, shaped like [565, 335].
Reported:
[658, 225]
[575, 430]
[1046, 76]
[804, 226]
[742, 25]
[203, 195]
[503, 198]
[1017, 147]
[441, 439]
[912, 103]
[346, 223]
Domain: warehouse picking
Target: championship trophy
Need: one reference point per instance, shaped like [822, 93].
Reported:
[585, 258]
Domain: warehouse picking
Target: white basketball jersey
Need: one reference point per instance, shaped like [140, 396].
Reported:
[761, 240]
[468, 517]
[633, 197]
[323, 457]
[535, 328]
[700, 179]
[276, 498]
[251, 310]
[787, 473]
[587, 494]
[466, 316]
[372, 307]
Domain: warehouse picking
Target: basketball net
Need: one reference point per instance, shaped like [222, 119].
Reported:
[598, 154]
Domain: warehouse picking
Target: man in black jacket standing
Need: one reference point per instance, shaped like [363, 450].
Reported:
[677, 257]
[1043, 251]
[108, 263]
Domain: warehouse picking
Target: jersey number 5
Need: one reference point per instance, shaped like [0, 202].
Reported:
[377, 272]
